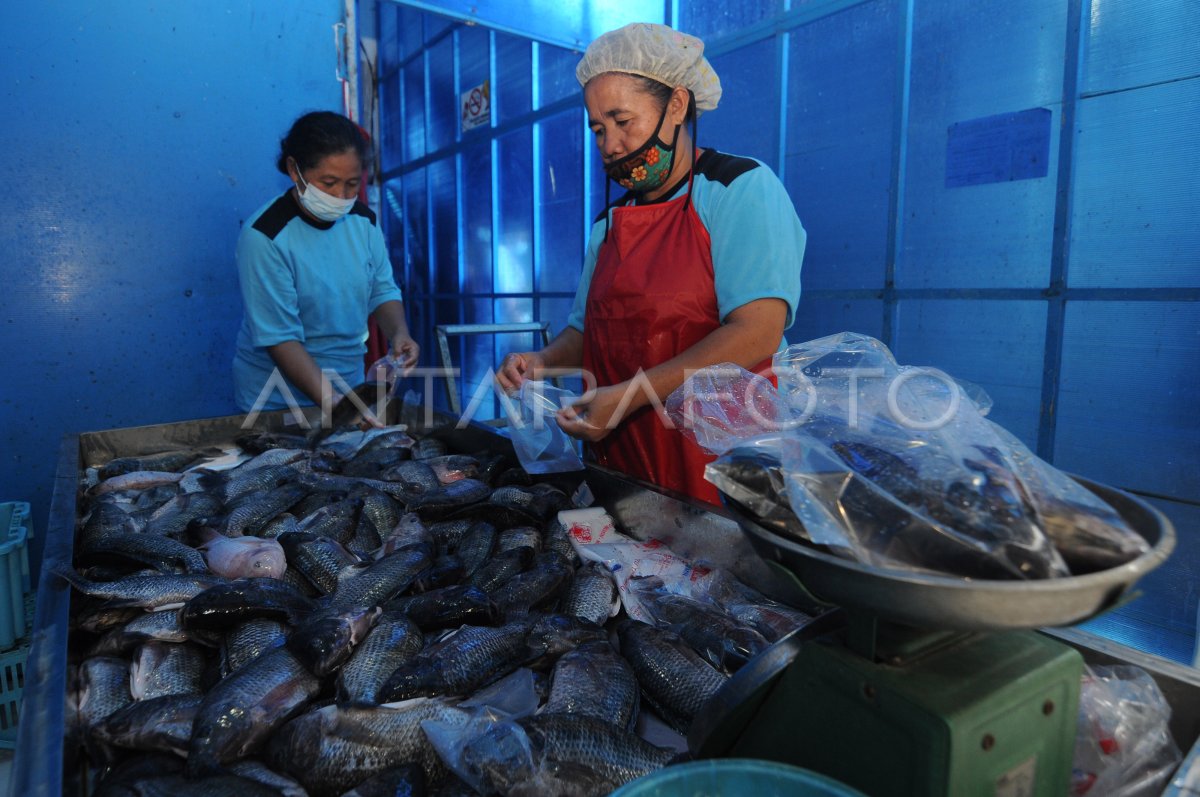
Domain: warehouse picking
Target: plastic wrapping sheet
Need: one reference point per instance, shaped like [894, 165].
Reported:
[894, 466]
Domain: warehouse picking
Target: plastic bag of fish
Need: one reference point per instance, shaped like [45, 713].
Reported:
[305, 615]
[895, 466]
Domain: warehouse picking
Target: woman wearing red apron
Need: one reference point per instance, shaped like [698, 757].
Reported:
[697, 264]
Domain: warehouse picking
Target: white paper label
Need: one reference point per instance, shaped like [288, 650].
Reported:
[476, 106]
[1018, 781]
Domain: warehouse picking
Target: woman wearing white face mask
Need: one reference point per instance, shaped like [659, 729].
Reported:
[313, 265]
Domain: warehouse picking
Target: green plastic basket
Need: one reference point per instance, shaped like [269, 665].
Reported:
[720, 777]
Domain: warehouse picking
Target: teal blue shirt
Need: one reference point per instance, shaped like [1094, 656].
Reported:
[309, 281]
[757, 239]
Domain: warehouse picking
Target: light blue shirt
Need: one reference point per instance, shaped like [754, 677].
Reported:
[757, 239]
[308, 281]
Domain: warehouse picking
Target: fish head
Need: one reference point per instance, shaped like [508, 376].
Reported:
[326, 641]
[555, 634]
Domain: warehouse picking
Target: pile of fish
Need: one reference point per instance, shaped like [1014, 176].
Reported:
[283, 618]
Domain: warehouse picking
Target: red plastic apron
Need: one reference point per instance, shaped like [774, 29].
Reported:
[652, 296]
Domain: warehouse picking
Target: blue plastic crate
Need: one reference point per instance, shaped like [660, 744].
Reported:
[12, 683]
[15, 528]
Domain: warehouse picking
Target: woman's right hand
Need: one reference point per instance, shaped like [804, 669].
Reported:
[517, 367]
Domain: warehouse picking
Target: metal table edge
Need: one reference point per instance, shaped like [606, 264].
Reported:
[38, 761]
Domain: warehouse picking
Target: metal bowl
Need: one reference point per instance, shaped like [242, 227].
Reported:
[946, 602]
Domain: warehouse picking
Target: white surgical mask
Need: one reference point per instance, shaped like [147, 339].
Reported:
[320, 204]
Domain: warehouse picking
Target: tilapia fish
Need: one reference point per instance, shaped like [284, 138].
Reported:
[161, 669]
[164, 626]
[167, 461]
[472, 657]
[392, 579]
[724, 642]
[592, 595]
[673, 678]
[147, 592]
[161, 553]
[226, 605]
[593, 679]
[394, 641]
[249, 640]
[560, 754]
[373, 584]
[333, 748]
[243, 557]
[161, 724]
[103, 688]
[320, 559]
[243, 709]
[449, 607]
[544, 581]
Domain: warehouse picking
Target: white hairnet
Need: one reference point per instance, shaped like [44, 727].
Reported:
[657, 52]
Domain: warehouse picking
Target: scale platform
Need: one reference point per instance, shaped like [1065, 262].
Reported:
[922, 684]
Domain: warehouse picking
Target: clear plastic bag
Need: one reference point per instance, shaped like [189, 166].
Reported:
[721, 406]
[1123, 747]
[389, 370]
[541, 446]
[896, 466]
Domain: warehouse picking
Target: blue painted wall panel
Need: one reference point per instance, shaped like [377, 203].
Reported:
[561, 174]
[818, 317]
[995, 344]
[474, 61]
[1136, 181]
[556, 74]
[441, 125]
[714, 18]
[1140, 42]
[1127, 407]
[476, 219]
[413, 122]
[973, 60]
[417, 268]
[749, 90]
[841, 105]
[512, 95]
[412, 31]
[389, 31]
[139, 155]
[1163, 620]
[391, 112]
[514, 235]
[443, 204]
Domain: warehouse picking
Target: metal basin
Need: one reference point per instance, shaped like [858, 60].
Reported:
[961, 604]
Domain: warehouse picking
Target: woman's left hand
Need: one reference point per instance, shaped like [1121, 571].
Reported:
[405, 351]
[591, 419]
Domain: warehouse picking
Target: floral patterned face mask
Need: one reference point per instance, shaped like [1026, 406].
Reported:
[647, 167]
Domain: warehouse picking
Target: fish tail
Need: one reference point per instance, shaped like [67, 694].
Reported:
[71, 576]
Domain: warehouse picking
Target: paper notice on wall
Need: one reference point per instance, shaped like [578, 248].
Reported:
[476, 106]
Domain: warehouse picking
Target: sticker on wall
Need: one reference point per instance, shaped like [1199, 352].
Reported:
[476, 107]
[998, 149]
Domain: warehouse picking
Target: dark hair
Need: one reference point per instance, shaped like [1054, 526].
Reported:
[661, 93]
[317, 135]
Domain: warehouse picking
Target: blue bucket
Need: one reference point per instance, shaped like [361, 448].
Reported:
[730, 776]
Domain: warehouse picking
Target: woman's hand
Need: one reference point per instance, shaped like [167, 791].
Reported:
[405, 351]
[592, 418]
[515, 368]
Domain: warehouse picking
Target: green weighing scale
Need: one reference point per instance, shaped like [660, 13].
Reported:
[922, 685]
